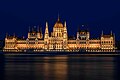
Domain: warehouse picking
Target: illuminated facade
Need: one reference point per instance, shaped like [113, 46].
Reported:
[58, 40]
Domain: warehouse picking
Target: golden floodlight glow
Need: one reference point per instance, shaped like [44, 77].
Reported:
[59, 40]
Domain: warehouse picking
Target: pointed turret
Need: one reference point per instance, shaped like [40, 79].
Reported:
[65, 30]
[46, 32]
[29, 32]
[78, 33]
[6, 35]
[111, 33]
[114, 35]
[41, 35]
[102, 33]
[58, 17]
[32, 29]
[14, 35]
[29, 29]
[46, 37]
[38, 33]
[38, 29]
[65, 27]
[65, 24]
[65, 36]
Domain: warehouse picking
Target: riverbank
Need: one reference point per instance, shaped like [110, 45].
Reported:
[62, 54]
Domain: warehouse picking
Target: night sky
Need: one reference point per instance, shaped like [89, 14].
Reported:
[96, 15]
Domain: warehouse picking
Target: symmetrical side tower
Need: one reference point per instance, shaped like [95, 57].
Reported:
[65, 36]
[107, 41]
[46, 37]
[10, 42]
[83, 35]
[82, 40]
[33, 34]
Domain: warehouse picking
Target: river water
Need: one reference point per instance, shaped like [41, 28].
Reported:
[59, 68]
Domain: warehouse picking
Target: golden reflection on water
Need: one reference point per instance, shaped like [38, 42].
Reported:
[58, 68]
[61, 68]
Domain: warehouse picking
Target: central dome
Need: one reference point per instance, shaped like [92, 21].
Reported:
[58, 24]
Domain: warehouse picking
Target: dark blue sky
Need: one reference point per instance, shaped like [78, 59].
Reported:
[17, 15]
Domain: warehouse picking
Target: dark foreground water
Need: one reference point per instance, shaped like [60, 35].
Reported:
[59, 68]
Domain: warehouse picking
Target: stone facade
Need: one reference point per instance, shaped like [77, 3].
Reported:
[58, 40]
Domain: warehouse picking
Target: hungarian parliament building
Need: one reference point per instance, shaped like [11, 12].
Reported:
[58, 40]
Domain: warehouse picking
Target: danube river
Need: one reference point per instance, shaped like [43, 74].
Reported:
[59, 67]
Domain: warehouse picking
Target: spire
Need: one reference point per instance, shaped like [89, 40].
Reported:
[65, 24]
[111, 33]
[38, 29]
[65, 31]
[102, 33]
[23, 37]
[29, 28]
[58, 17]
[32, 29]
[65, 28]
[46, 24]
[114, 36]
[14, 35]
[6, 35]
[46, 31]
